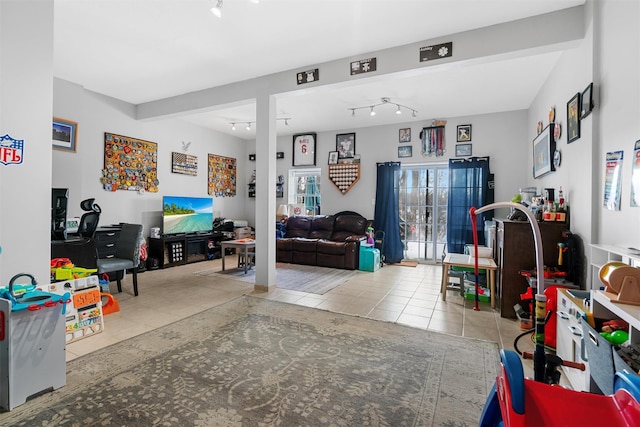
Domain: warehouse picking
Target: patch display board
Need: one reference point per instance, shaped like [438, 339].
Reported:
[129, 164]
[344, 175]
[184, 163]
[222, 176]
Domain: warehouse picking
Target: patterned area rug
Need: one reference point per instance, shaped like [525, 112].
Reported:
[254, 362]
[295, 277]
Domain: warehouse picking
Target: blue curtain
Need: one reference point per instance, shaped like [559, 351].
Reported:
[387, 217]
[312, 199]
[468, 187]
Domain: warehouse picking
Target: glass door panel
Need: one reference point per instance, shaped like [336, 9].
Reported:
[423, 211]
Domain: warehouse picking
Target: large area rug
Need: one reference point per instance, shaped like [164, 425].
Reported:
[295, 277]
[255, 362]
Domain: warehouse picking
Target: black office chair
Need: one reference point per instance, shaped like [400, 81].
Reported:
[127, 255]
[89, 221]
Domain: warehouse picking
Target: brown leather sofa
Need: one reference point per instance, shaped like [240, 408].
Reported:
[323, 240]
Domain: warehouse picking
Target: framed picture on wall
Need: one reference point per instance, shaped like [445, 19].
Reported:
[586, 101]
[304, 149]
[404, 135]
[573, 118]
[405, 151]
[346, 145]
[463, 150]
[64, 135]
[544, 147]
[464, 133]
[333, 158]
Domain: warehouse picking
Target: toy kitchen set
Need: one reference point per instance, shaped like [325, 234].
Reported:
[32, 345]
[36, 323]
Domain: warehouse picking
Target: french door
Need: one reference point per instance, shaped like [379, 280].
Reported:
[424, 191]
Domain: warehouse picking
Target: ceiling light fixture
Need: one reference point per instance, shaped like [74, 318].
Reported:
[384, 101]
[217, 9]
[249, 123]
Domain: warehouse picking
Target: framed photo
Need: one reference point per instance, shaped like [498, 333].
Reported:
[463, 150]
[333, 158]
[346, 145]
[464, 133]
[304, 149]
[544, 147]
[405, 151]
[405, 135]
[573, 118]
[64, 135]
[586, 101]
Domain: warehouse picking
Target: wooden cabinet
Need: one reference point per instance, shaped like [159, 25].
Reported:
[515, 252]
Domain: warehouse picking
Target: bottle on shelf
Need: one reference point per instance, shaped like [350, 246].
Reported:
[561, 212]
[549, 213]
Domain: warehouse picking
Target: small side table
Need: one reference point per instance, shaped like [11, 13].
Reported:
[462, 260]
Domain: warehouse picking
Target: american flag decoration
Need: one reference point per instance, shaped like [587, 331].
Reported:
[185, 164]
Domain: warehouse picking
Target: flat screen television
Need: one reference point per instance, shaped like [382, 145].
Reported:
[186, 215]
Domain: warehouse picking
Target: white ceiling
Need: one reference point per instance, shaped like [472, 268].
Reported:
[146, 50]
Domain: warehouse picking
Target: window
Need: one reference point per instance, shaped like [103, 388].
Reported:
[304, 190]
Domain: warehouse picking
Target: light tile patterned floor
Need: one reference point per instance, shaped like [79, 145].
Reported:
[407, 295]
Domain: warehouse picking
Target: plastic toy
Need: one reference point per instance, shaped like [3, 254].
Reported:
[369, 235]
[64, 269]
[516, 401]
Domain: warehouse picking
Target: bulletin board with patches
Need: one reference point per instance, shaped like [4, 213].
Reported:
[222, 176]
[129, 164]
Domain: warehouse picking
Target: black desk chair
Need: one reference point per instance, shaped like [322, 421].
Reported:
[89, 221]
[127, 255]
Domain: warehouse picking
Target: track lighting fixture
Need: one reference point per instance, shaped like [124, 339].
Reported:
[217, 9]
[249, 123]
[383, 101]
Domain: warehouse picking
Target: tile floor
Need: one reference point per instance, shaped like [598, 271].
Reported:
[407, 295]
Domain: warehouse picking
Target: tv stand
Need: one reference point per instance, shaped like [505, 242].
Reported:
[185, 248]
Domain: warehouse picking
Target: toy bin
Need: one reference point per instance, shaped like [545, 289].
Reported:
[369, 258]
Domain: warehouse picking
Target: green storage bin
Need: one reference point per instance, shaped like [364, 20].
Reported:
[369, 259]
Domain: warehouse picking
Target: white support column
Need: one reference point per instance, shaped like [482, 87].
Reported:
[265, 192]
[26, 110]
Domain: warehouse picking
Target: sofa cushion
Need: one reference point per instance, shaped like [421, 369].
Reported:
[298, 226]
[329, 247]
[304, 245]
[284, 244]
[321, 227]
[348, 225]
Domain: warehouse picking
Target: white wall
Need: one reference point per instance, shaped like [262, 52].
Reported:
[81, 171]
[618, 127]
[572, 74]
[500, 136]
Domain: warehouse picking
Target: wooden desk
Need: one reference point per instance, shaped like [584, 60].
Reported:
[242, 244]
[462, 260]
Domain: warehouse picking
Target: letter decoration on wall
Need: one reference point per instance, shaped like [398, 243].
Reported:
[11, 150]
[129, 164]
[222, 176]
